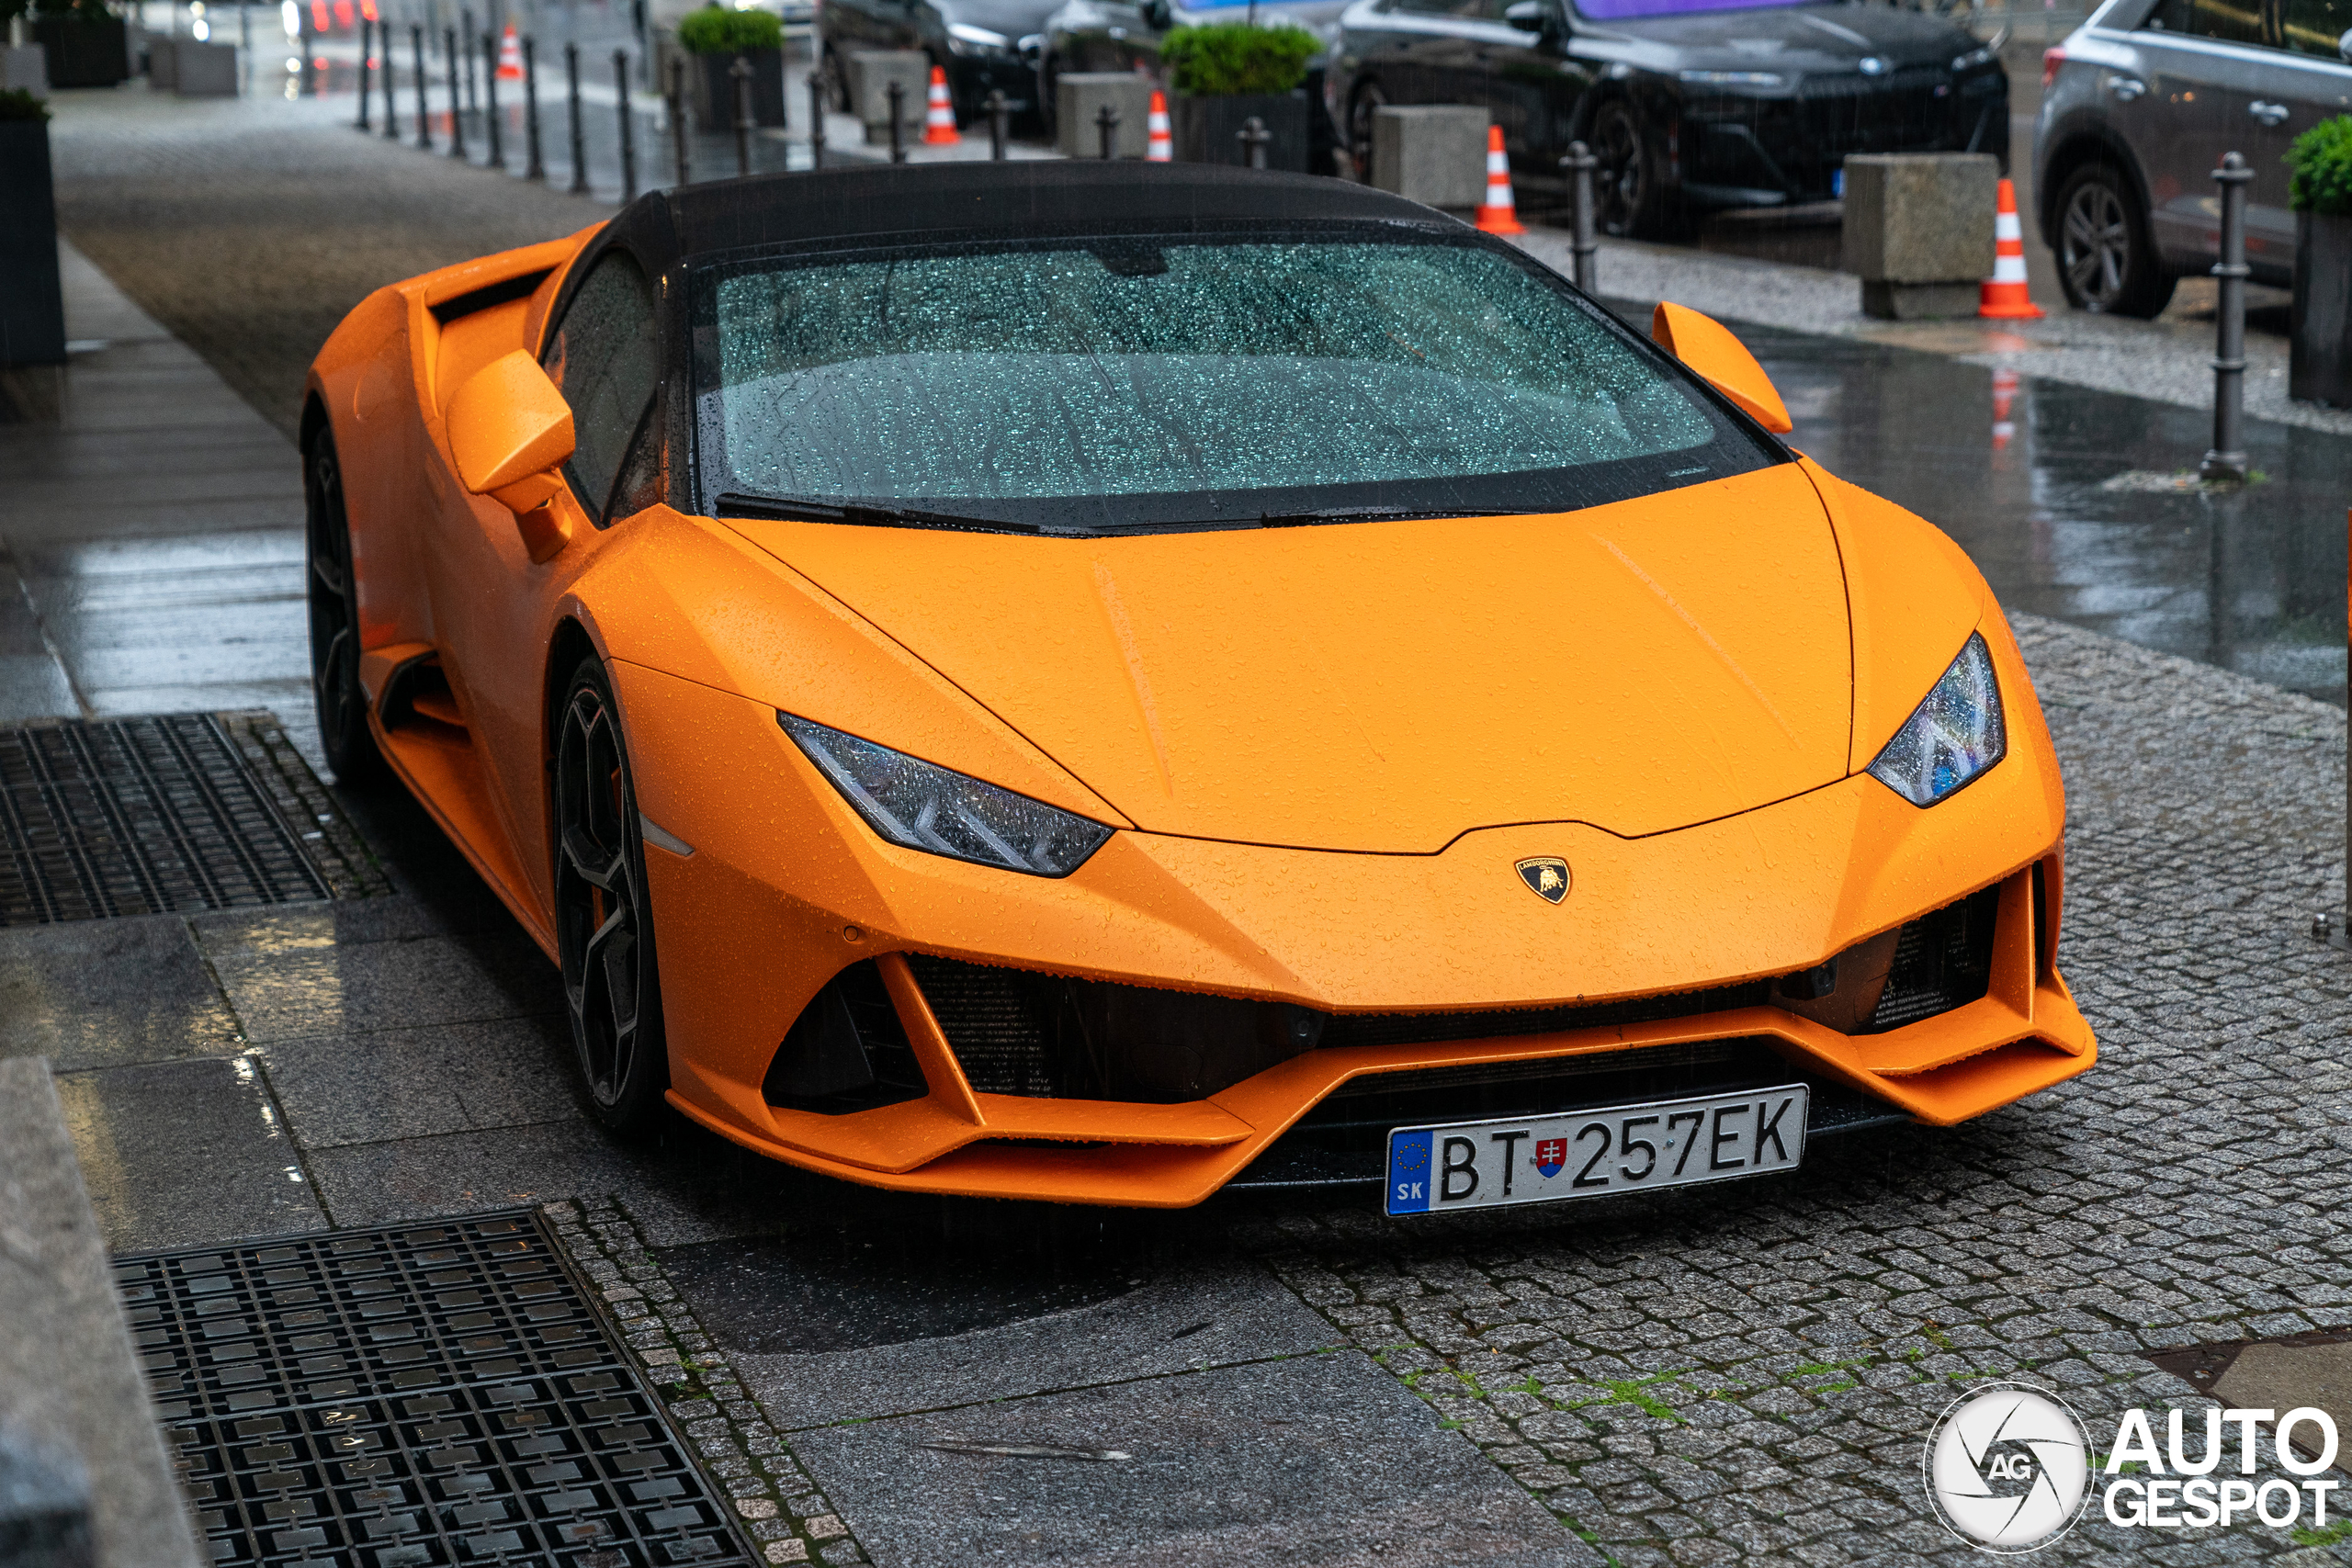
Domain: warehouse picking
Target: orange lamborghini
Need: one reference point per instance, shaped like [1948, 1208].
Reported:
[1100, 681]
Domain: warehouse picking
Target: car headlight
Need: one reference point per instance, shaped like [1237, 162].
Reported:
[966, 38]
[924, 806]
[1732, 78]
[1976, 57]
[1954, 735]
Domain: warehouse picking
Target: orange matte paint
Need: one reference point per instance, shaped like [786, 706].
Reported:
[1322, 750]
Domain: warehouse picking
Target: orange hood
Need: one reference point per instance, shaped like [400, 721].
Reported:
[1387, 686]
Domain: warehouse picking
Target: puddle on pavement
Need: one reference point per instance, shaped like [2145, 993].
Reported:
[2018, 471]
[808, 1294]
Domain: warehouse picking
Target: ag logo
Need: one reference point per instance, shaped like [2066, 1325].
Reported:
[2008, 1468]
[1546, 877]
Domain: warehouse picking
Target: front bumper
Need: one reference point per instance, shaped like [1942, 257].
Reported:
[778, 899]
[1743, 150]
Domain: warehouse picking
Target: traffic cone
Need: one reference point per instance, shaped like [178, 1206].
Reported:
[2005, 395]
[510, 56]
[1161, 147]
[939, 115]
[2003, 297]
[1498, 214]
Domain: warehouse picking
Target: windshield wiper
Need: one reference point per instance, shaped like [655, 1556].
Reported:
[1358, 514]
[786, 509]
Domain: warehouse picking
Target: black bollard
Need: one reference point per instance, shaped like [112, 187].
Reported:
[366, 29]
[680, 134]
[897, 96]
[816, 121]
[466, 33]
[1106, 130]
[628, 137]
[1253, 137]
[1579, 165]
[456, 116]
[496, 132]
[384, 47]
[578, 132]
[998, 114]
[740, 75]
[2227, 460]
[538, 169]
[424, 118]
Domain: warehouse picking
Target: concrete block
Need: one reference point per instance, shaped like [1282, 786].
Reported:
[1919, 218]
[24, 68]
[870, 72]
[163, 59]
[206, 70]
[1079, 95]
[72, 1391]
[1434, 154]
[1919, 301]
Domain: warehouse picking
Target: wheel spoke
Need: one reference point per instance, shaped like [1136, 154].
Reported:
[593, 862]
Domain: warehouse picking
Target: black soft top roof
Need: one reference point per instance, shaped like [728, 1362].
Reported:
[1045, 197]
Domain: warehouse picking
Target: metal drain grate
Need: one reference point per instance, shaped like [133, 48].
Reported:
[424, 1394]
[137, 817]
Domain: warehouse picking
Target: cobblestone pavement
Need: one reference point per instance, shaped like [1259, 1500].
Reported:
[1746, 1374]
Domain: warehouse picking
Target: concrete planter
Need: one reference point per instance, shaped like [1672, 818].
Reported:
[24, 68]
[2319, 363]
[1434, 154]
[1079, 95]
[32, 308]
[714, 88]
[204, 70]
[870, 72]
[1918, 231]
[83, 53]
[1208, 130]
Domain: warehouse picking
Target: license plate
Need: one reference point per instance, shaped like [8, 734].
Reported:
[1586, 1154]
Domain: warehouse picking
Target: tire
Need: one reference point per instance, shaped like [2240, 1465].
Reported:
[1628, 188]
[1048, 112]
[835, 78]
[604, 923]
[2107, 262]
[1367, 101]
[334, 594]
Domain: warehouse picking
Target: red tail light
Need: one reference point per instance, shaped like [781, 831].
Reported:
[2051, 60]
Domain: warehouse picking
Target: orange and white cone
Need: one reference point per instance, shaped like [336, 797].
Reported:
[1498, 214]
[1161, 147]
[939, 115]
[2003, 296]
[510, 56]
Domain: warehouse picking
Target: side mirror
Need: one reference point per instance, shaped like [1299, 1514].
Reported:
[511, 431]
[1722, 361]
[1527, 16]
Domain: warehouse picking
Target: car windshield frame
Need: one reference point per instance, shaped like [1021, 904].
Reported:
[1739, 444]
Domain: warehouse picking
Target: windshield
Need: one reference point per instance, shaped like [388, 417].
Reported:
[1156, 381]
[1633, 10]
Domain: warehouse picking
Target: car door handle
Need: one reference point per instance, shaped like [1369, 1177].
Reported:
[2126, 87]
[2269, 114]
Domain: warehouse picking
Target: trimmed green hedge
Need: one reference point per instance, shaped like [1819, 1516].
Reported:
[714, 29]
[2322, 162]
[1233, 58]
[18, 104]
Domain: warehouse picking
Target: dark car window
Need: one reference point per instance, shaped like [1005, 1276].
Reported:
[604, 358]
[2313, 27]
[2224, 21]
[1464, 10]
[1188, 381]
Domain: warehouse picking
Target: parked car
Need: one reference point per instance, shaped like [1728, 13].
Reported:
[1123, 35]
[2139, 105]
[1690, 104]
[983, 45]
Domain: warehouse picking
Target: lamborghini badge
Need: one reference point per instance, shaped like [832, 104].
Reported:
[1546, 877]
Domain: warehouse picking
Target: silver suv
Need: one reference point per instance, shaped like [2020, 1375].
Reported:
[2139, 105]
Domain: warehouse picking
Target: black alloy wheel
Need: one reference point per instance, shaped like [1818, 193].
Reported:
[1628, 195]
[1363, 108]
[2106, 263]
[334, 622]
[603, 924]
